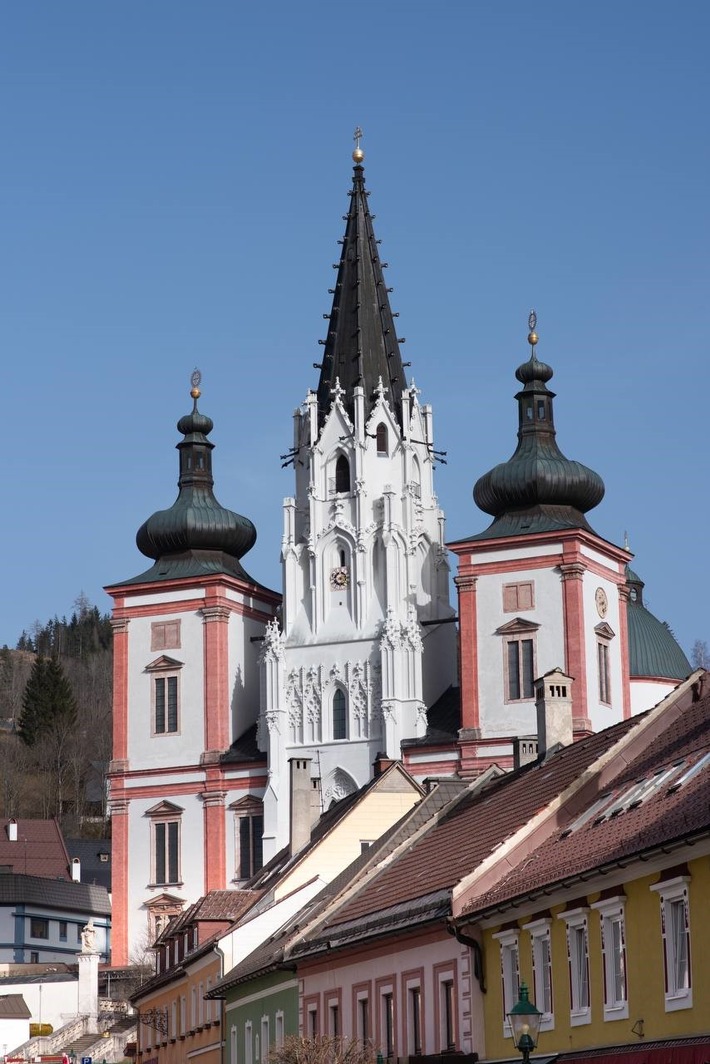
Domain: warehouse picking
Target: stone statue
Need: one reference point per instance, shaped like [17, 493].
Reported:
[88, 938]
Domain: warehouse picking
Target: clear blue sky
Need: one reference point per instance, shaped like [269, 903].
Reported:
[173, 178]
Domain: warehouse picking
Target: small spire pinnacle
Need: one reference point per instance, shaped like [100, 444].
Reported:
[195, 381]
[626, 541]
[358, 154]
[532, 335]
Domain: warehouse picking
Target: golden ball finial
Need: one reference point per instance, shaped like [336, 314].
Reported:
[195, 393]
[532, 322]
[358, 155]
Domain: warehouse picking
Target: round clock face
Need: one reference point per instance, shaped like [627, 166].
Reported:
[601, 601]
[339, 578]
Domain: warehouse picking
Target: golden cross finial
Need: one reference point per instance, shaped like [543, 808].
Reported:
[195, 381]
[358, 154]
[532, 335]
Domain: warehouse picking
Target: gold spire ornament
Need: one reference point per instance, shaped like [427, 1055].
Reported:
[358, 154]
[532, 335]
[195, 381]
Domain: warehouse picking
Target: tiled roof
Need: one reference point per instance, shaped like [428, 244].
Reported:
[54, 894]
[13, 1007]
[93, 869]
[665, 816]
[38, 851]
[275, 951]
[468, 831]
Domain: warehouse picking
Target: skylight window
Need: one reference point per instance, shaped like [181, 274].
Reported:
[641, 790]
[690, 772]
[587, 815]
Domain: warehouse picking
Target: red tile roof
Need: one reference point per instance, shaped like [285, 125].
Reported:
[472, 828]
[38, 851]
[665, 816]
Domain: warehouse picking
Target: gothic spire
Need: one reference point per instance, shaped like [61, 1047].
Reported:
[361, 345]
[538, 489]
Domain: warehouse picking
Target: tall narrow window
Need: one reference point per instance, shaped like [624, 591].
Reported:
[388, 1023]
[363, 1021]
[449, 1015]
[578, 958]
[264, 1039]
[382, 439]
[248, 1044]
[613, 942]
[249, 831]
[509, 970]
[603, 661]
[342, 474]
[675, 933]
[520, 669]
[539, 931]
[340, 724]
[165, 696]
[415, 1020]
[167, 843]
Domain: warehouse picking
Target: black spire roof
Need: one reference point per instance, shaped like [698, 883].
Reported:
[361, 345]
[196, 536]
[538, 489]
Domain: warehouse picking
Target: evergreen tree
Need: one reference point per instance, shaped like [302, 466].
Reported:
[48, 702]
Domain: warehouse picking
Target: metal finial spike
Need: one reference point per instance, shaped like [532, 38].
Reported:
[195, 381]
[358, 154]
[532, 335]
[626, 541]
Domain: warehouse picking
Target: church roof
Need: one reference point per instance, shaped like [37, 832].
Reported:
[196, 536]
[538, 489]
[653, 650]
[361, 344]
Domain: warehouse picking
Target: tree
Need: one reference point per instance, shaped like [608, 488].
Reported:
[321, 1050]
[700, 655]
[48, 703]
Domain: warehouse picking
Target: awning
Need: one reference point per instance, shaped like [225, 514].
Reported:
[668, 1051]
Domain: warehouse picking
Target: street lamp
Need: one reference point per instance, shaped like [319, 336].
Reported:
[524, 1024]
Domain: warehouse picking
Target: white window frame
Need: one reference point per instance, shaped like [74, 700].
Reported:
[578, 932]
[540, 932]
[264, 1039]
[671, 894]
[233, 1044]
[248, 1043]
[509, 942]
[279, 1029]
[612, 914]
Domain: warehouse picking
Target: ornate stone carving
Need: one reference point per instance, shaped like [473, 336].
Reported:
[272, 649]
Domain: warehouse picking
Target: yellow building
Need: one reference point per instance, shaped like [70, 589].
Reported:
[606, 918]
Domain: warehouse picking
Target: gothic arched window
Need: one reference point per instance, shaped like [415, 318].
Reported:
[382, 439]
[340, 724]
[342, 474]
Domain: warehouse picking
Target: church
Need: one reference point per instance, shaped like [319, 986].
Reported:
[222, 686]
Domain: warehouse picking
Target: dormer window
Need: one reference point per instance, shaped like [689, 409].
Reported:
[382, 440]
[342, 474]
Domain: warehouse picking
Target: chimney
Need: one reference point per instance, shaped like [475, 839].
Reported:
[381, 764]
[76, 870]
[12, 830]
[553, 702]
[524, 750]
[305, 803]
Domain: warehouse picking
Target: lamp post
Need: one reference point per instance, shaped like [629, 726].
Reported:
[524, 1024]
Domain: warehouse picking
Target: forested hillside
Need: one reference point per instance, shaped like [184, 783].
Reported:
[55, 720]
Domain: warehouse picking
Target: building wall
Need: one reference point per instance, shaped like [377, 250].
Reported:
[268, 1004]
[17, 942]
[644, 967]
[428, 961]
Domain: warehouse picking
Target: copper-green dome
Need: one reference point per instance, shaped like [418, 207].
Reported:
[196, 536]
[653, 650]
[538, 489]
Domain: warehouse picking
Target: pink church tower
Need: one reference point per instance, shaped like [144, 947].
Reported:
[187, 779]
[539, 589]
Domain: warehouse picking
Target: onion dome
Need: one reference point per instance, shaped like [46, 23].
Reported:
[653, 650]
[361, 344]
[196, 536]
[537, 489]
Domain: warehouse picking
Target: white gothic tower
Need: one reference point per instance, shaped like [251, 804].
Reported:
[366, 643]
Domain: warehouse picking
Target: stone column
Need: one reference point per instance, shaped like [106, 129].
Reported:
[89, 989]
